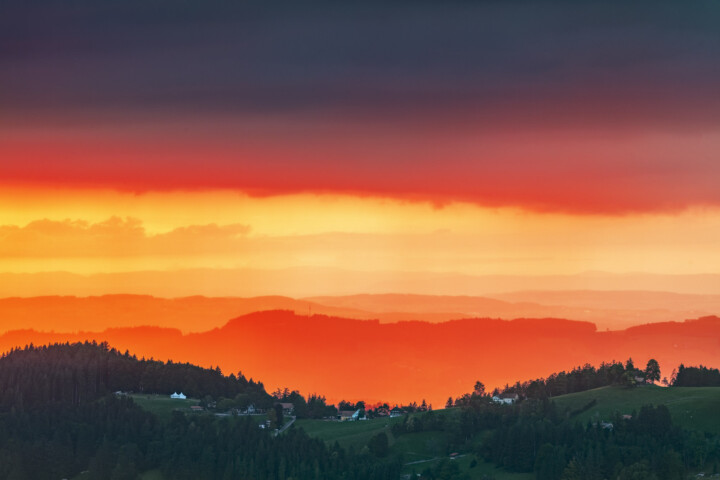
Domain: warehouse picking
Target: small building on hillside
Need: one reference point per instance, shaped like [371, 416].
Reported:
[178, 396]
[395, 412]
[506, 398]
[349, 415]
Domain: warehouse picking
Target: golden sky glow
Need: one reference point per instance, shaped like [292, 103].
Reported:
[93, 231]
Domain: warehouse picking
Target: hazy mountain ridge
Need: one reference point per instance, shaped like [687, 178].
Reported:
[298, 282]
[405, 361]
[198, 313]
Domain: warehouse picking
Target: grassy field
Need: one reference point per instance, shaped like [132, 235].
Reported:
[420, 450]
[696, 408]
[347, 434]
[163, 405]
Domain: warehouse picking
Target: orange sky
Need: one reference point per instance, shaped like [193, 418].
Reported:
[88, 231]
[320, 148]
[477, 139]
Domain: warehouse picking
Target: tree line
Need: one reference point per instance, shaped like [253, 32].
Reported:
[585, 378]
[696, 377]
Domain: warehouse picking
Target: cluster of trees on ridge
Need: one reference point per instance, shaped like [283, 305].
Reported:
[588, 377]
[696, 377]
[585, 378]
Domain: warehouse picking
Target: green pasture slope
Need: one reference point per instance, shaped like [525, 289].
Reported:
[347, 434]
[420, 450]
[694, 408]
[162, 405]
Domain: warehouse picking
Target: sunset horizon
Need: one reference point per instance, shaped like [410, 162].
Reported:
[279, 240]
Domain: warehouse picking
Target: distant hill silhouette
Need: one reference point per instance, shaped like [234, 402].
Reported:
[313, 281]
[608, 310]
[188, 314]
[405, 361]
[617, 299]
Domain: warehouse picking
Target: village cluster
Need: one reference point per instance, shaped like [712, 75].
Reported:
[288, 409]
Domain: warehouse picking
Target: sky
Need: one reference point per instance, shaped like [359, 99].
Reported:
[473, 137]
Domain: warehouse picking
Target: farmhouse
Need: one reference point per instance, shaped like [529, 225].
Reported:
[506, 398]
[349, 415]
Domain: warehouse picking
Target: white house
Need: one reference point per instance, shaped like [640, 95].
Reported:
[506, 398]
[178, 396]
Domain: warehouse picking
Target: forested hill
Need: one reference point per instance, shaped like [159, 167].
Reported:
[83, 372]
[58, 419]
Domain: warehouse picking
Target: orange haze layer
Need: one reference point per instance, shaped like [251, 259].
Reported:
[407, 361]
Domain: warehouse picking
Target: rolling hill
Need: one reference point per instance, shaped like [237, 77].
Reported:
[405, 361]
[607, 310]
[694, 408]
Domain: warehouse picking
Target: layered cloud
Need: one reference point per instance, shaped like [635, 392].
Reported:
[483, 243]
[582, 107]
[584, 173]
[115, 237]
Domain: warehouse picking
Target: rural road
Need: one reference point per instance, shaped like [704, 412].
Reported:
[286, 426]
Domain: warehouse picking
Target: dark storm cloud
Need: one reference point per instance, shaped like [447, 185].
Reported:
[576, 106]
[361, 57]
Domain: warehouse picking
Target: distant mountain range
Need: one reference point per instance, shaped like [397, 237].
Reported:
[404, 361]
[311, 281]
[607, 310]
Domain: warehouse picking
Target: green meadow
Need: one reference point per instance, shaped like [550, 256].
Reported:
[162, 405]
[694, 408]
[420, 450]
